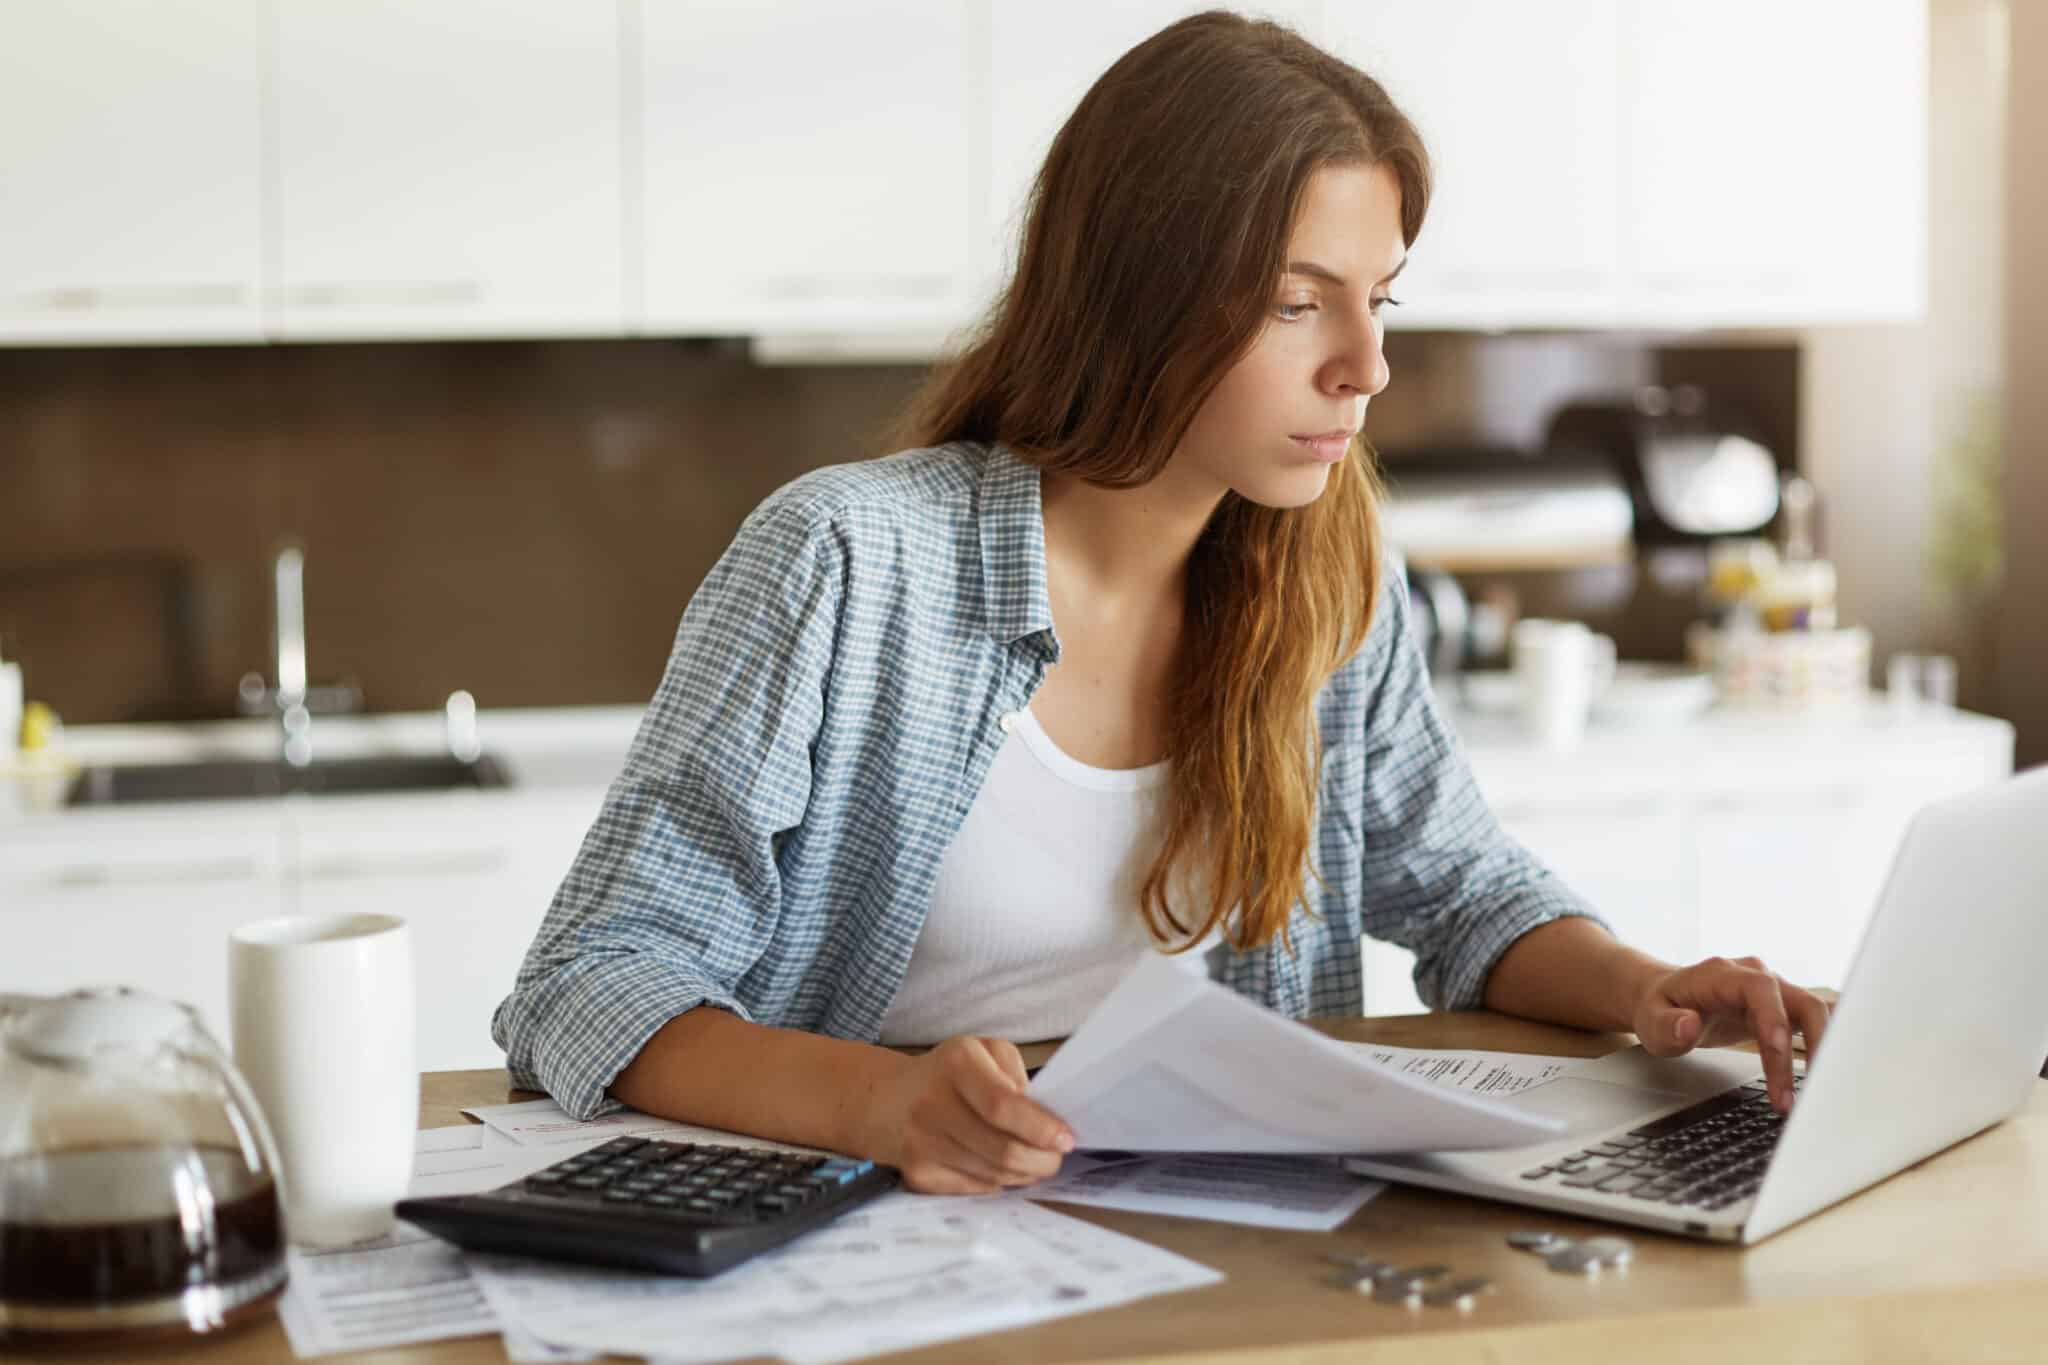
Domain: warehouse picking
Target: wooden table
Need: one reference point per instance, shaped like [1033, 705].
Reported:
[1946, 1261]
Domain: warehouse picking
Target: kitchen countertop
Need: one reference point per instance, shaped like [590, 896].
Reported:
[584, 746]
[545, 746]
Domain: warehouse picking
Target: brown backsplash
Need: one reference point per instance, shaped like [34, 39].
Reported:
[524, 520]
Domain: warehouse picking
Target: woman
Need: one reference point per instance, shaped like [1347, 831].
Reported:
[1108, 663]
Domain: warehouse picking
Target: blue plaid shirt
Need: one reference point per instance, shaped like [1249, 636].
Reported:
[829, 711]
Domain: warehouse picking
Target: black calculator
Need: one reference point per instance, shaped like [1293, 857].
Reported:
[685, 1208]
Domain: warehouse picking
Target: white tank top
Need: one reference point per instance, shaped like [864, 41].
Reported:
[1034, 918]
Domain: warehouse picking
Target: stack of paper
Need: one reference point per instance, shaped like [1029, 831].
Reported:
[1187, 1099]
[903, 1271]
[1171, 1062]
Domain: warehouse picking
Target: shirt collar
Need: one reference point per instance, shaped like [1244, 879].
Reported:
[1012, 528]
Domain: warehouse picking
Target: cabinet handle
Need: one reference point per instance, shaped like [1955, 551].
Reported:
[394, 294]
[1633, 811]
[462, 862]
[784, 288]
[1836, 795]
[153, 874]
[88, 298]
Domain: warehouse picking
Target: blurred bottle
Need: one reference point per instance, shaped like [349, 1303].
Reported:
[1800, 593]
[10, 711]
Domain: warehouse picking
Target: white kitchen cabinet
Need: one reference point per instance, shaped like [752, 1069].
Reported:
[130, 171]
[1042, 57]
[1742, 834]
[449, 169]
[141, 898]
[1629, 859]
[1775, 160]
[1517, 105]
[1792, 873]
[1658, 163]
[472, 874]
[806, 166]
[147, 897]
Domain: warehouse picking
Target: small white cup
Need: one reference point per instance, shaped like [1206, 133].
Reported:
[323, 1014]
[1560, 667]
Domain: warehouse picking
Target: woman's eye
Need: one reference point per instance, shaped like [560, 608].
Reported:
[1385, 298]
[1291, 312]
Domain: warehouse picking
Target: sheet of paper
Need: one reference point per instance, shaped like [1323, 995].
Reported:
[907, 1270]
[1311, 1193]
[543, 1123]
[1481, 1073]
[408, 1286]
[1190, 1066]
[524, 1348]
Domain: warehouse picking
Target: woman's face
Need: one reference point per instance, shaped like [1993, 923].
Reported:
[1319, 359]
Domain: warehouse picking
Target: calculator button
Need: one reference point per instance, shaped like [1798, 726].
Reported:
[773, 1203]
[541, 1180]
[586, 1182]
[843, 1170]
[621, 1196]
[661, 1201]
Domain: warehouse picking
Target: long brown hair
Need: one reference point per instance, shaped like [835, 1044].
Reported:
[1154, 239]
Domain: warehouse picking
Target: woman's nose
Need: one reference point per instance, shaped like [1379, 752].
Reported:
[1362, 366]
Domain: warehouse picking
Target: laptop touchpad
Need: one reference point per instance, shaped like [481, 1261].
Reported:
[1591, 1106]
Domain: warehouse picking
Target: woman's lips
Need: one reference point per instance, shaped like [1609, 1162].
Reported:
[1329, 447]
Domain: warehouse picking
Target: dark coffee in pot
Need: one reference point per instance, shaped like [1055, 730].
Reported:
[122, 1237]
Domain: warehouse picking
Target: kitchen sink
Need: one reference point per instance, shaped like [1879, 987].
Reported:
[231, 778]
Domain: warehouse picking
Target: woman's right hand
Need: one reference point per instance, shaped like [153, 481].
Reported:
[956, 1120]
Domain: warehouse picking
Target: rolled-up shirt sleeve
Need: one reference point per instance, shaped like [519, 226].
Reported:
[1441, 877]
[675, 893]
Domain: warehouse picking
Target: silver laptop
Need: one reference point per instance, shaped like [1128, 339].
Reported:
[1940, 1033]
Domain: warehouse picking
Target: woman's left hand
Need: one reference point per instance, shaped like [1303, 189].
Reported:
[1721, 1001]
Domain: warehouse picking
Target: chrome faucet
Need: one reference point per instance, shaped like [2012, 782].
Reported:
[292, 700]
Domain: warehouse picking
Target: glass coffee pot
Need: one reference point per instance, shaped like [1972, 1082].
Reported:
[138, 1191]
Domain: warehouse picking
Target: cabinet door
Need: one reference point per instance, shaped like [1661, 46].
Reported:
[1775, 160]
[1792, 875]
[447, 169]
[805, 165]
[1780, 878]
[141, 899]
[471, 873]
[1517, 105]
[130, 156]
[1628, 861]
[1043, 55]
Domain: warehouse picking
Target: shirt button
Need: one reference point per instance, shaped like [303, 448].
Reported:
[1008, 721]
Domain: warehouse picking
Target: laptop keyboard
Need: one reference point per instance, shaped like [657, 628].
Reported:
[1707, 1156]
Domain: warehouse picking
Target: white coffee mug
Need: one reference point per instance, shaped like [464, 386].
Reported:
[323, 1013]
[1560, 667]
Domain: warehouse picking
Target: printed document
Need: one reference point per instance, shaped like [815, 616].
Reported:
[1310, 1193]
[543, 1123]
[1481, 1073]
[907, 1270]
[1170, 1061]
[406, 1286]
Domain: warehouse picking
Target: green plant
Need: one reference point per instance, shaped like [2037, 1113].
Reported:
[1966, 554]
